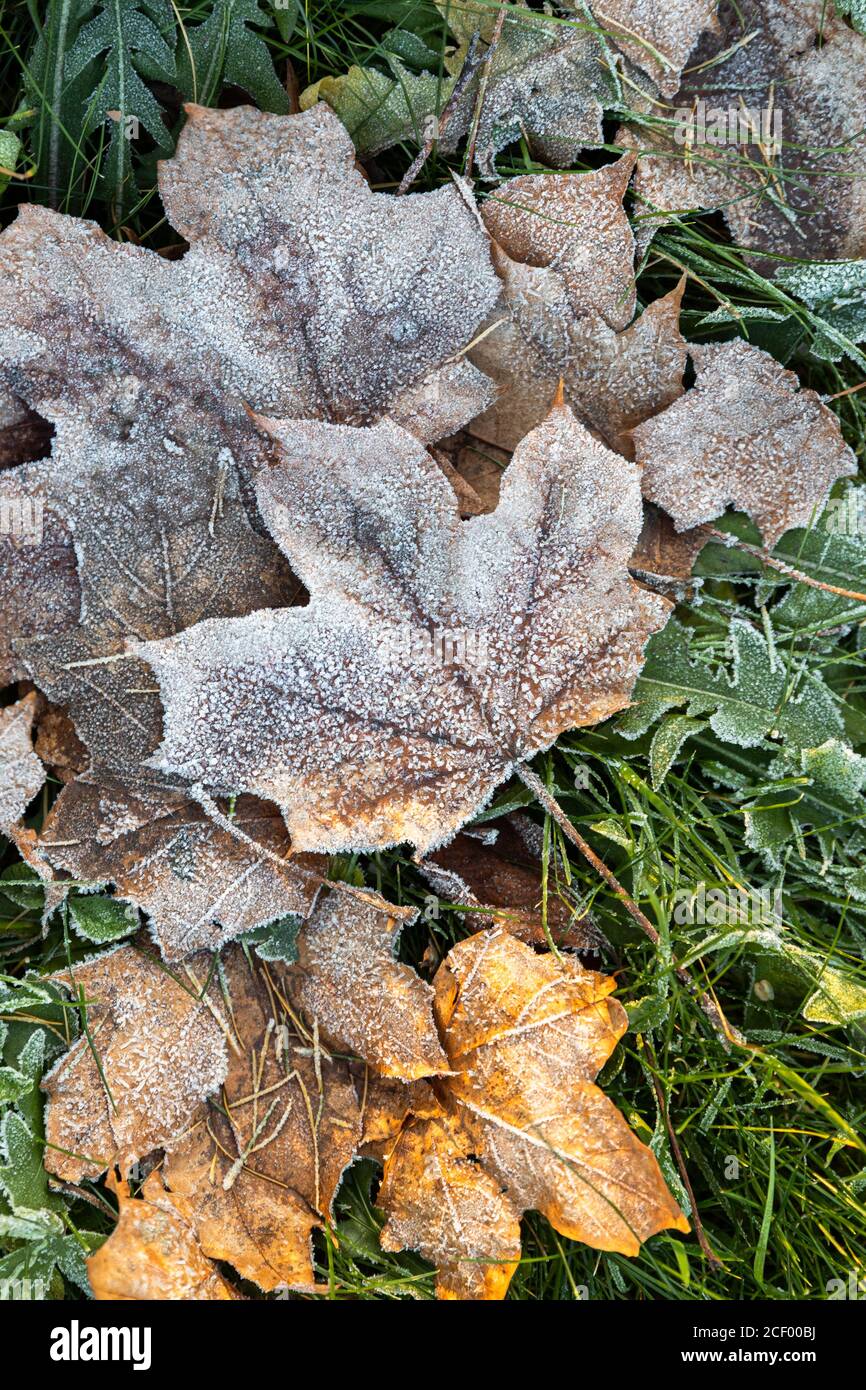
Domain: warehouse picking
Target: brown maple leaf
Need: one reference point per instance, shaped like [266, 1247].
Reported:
[303, 293]
[152, 1048]
[153, 1253]
[21, 772]
[746, 436]
[657, 35]
[323, 711]
[199, 884]
[787, 167]
[348, 982]
[522, 1124]
[58, 745]
[259, 1166]
[564, 252]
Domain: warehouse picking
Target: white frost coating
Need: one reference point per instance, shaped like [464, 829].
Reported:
[303, 293]
[306, 706]
[346, 968]
[160, 1049]
[199, 886]
[805, 199]
[745, 436]
[21, 772]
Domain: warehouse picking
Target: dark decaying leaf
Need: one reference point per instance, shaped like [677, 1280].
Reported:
[498, 869]
[324, 711]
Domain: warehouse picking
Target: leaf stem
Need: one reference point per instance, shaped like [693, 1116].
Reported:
[723, 1028]
[764, 555]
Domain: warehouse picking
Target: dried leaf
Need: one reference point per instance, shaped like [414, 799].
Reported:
[481, 467]
[152, 1253]
[386, 1104]
[662, 550]
[441, 1202]
[502, 872]
[576, 225]
[801, 196]
[362, 999]
[39, 589]
[199, 885]
[323, 711]
[564, 253]
[657, 35]
[21, 772]
[303, 293]
[521, 1030]
[153, 1048]
[545, 80]
[258, 1169]
[745, 436]
[58, 745]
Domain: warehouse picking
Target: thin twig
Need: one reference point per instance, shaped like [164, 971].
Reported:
[681, 1164]
[467, 72]
[761, 554]
[482, 92]
[725, 1030]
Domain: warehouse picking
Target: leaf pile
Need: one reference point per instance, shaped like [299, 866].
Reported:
[258, 630]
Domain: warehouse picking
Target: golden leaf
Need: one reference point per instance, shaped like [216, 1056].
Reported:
[523, 1124]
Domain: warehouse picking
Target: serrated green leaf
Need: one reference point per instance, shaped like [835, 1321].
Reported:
[752, 696]
[100, 919]
[382, 109]
[223, 51]
[278, 941]
[126, 41]
[833, 998]
[23, 1179]
[834, 290]
[667, 741]
[20, 884]
[13, 1084]
[647, 1013]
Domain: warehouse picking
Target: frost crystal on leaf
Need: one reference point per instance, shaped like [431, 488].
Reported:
[346, 969]
[258, 1171]
[745, 436]
[153, 1253]
[520, 1030]
[21, 772]
[153, 1049]
[526, 617]
[199, 885]
[787, 166]
[564, 252]
[303, 294]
